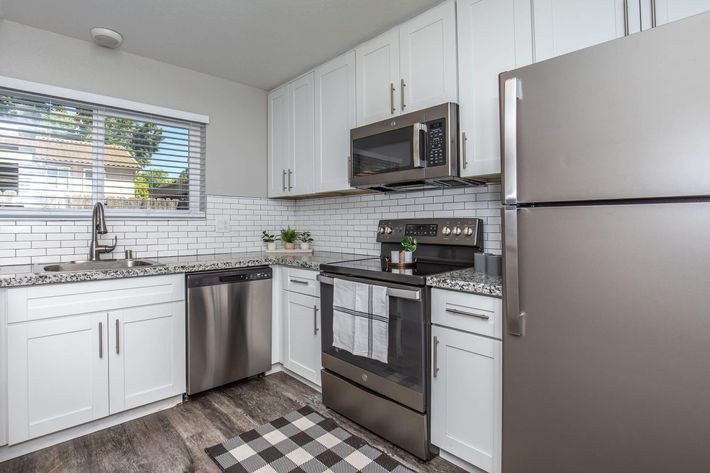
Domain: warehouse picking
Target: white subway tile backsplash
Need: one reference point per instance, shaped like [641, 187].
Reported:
[344, 224]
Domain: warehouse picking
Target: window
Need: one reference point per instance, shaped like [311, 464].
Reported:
[59, 157]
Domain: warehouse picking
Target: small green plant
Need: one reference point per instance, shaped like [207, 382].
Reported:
[267, 237]
[410, 244]
[289, 235]
[305, 237]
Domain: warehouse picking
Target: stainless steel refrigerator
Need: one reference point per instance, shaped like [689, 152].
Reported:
[606, 358]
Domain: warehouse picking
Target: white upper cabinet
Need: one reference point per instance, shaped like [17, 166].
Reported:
[279, 140]
[408, 68]
[493, 36]
[335, 116]
[563, 26]
[660, 12]
[299, 177]
[378, 78]
[427, 52]
[292, 138]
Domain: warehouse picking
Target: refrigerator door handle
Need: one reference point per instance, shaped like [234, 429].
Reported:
[512, 93]
[515, 319]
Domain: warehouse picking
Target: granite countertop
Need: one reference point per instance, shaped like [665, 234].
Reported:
[29, 275]
[468, 280]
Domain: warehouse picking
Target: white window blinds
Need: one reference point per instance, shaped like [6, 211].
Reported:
[58, 157]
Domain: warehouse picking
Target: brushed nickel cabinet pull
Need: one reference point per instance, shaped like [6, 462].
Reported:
[101, 340]
[402, 85]
[290, 173]
[117, 339]
[392, 110]
[298, 281]
[315, 320]
[283, 180]
[464, 139]
[653, 13]
[626, 17]
[436, 355]
[469, 314]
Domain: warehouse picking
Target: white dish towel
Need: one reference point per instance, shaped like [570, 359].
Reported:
[361, 319]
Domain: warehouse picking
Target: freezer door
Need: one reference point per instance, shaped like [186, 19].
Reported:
[624, 119]
[611, 373]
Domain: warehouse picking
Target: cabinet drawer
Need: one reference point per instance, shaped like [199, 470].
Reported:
[57, 300]
[301, 281]
[467, 312]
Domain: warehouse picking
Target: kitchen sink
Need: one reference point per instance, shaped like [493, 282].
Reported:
[99, 265]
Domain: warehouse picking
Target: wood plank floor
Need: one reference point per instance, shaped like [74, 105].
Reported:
[174, 440]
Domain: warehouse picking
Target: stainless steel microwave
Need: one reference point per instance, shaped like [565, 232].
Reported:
[412, 151]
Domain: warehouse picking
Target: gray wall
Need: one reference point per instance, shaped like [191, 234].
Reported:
[236, 135]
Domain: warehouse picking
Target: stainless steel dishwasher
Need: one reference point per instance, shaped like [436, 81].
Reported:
[228, 326]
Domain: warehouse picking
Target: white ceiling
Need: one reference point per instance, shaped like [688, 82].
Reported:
[257, 42]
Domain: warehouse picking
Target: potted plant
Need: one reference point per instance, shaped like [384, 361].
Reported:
[269, 239]
[405, 256]
[306, 239]
[289, 237]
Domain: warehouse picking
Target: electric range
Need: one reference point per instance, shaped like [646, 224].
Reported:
[389, 394]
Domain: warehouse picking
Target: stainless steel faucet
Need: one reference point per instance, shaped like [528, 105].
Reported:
[98, 227]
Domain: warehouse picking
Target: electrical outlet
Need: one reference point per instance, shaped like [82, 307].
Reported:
[222, 223]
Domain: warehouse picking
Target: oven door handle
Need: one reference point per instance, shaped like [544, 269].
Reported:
[409, 294]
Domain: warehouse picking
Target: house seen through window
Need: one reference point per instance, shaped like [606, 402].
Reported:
[60, 156]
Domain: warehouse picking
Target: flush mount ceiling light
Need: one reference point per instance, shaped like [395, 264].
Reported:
[106, 37]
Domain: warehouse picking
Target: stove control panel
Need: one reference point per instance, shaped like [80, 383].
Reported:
[439, 231]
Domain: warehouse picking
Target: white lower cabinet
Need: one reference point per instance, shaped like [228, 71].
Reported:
[147, 355]
[466, 386]
[302, 346]
[57, 374]
[67, 369]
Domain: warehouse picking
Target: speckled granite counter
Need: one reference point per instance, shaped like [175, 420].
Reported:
[28, 275]
[468, 280]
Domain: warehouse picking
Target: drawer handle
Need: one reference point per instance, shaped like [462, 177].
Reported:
[298, 281]
[470, 314]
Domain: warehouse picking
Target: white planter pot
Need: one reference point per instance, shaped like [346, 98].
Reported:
[401, 257]
[305, 246]
[271, 246]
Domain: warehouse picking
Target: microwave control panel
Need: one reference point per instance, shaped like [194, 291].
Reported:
[436, 143]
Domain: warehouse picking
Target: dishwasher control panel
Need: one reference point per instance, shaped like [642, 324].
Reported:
[211, 278]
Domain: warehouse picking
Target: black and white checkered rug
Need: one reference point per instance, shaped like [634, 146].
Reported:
[301, 442]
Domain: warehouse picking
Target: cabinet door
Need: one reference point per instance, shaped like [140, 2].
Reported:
[147, 352]
[279, 140]
[494, 36]
[671, 10]
[335, 116]
[466, 397]
[378, 78]
[302, 351]
[300, 172]
[427, 51]
[563, 26]
[57, 374]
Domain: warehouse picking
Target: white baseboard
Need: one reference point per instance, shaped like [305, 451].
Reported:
[8, 452]
[279, 367]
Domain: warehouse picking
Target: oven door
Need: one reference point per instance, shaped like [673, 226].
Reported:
[403, 377]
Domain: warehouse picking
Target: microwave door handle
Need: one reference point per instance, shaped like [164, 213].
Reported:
[417, 149]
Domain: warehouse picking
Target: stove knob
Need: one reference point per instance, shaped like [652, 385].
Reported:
[446, 231]
[381, 230]
[457, 231]
[468, 231]
[388, 230]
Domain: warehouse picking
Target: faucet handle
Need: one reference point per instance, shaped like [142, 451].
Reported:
[107, 248]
